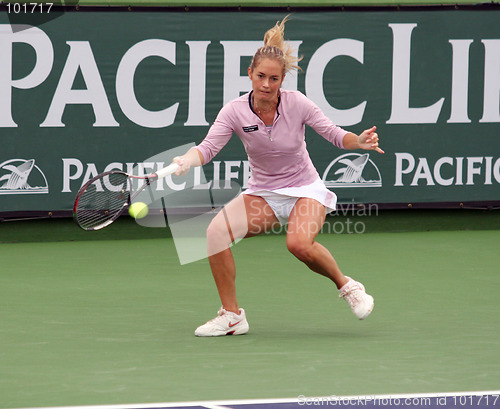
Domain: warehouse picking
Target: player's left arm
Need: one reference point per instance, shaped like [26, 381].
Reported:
[367, 140]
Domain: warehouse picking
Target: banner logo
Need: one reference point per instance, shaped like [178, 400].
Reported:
[352, 170]
[21, 176]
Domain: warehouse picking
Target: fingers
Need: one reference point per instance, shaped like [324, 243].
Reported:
[369, 134]
[184, 165]
[370, 131]
[374, 144]
[372, 139]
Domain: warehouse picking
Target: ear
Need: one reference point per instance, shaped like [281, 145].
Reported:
[282, 79]
[250, 72]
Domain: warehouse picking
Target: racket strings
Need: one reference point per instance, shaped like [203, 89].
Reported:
[102, 201]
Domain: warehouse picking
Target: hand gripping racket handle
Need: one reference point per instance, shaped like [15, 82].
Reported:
[170, 169]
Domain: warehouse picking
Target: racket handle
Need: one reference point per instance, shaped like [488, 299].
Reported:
[170, 169]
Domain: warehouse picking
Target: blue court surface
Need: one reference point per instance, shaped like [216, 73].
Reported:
[465, 400]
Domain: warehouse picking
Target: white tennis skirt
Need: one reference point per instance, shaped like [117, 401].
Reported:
[283, 200]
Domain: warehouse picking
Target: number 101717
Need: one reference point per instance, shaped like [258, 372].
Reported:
[29, 8]
[479, 400]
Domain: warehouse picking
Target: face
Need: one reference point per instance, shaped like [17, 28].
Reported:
[267, 77]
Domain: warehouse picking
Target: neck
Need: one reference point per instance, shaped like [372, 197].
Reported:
[264, 107]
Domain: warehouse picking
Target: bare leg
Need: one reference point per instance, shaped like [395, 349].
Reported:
[244, 216]
[304, 224]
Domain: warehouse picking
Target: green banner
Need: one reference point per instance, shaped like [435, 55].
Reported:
[90, 91]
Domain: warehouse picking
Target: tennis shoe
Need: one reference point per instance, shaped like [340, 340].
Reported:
[226, 323]
[360, 302]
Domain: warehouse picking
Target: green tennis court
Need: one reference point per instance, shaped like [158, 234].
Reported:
[93, 319]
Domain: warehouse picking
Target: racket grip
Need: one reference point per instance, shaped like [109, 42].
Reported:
[170, 169]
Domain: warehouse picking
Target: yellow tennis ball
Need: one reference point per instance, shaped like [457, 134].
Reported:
[138, 210]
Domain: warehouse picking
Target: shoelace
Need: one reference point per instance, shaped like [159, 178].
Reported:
[352, 294]
[220, 315]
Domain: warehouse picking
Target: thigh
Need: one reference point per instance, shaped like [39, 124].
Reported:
[245, 216]
[306, 220]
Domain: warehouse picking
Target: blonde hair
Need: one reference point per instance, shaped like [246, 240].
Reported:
[275, 47]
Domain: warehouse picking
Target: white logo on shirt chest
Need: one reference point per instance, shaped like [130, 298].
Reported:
[251, 128]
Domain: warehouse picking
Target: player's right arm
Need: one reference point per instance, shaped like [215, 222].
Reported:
[217, 137]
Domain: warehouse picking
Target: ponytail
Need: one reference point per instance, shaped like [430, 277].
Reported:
[275, 47]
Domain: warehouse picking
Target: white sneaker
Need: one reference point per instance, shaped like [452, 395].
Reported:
[354, 293]
[226, 323]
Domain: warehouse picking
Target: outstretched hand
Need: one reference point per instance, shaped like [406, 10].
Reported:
[368, 140]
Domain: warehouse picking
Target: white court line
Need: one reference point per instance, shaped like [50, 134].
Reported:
[301, 400]
[212, 406]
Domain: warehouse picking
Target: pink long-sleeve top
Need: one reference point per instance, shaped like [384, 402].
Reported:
[277, 155]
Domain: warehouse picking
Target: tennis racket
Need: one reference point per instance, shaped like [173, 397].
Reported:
[105, 197]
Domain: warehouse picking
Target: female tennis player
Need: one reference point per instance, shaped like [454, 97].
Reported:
[284, 186]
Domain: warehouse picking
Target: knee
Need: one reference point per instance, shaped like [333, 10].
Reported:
[218, 233]
[218, 238]
[301, 250]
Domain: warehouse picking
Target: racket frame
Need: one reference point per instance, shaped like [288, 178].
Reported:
[148, 180]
